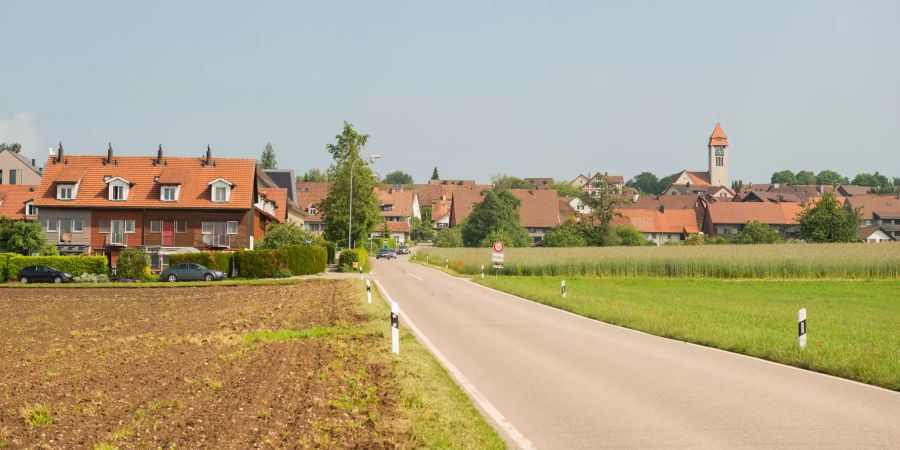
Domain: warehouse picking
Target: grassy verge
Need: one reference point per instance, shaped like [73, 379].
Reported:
[853, 326]
[159, 284]
[438, 412]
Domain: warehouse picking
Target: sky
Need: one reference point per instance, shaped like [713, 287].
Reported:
[526, 88]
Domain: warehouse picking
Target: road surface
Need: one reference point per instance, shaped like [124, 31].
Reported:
[549, 379]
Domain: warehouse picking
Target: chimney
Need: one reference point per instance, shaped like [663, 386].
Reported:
[662, 208]
[32, 162]
[208, 161]
[109, 155]
[159, 157]
[59, 153]
[635, 197]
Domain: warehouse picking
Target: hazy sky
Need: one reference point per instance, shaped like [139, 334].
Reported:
[475, 88]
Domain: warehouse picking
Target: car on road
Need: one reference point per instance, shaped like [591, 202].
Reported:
[402, 250]
[190, 272]
[385, 253]
[44, 274]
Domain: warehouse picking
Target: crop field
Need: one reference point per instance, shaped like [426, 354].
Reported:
[807, 261]
[297, 365]
[853, 325]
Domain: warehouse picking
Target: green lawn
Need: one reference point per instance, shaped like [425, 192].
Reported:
[853, 326]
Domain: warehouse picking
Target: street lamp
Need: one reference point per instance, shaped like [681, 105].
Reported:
[350, 218]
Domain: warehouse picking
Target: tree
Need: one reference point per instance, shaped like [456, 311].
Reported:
[21, 236]
[566, 234]
[828, 221]
[604, 202]
[646, 183]
[267, 159]
[628, 236]
[665, 182]
[14, 147]
[133, 264]
[398, 177]
[501, 181]
[314, 175]
[495, 218]
[757, 233]
[346, 153]
[449, 237]
[871, 180]
[285, 234]
[830, 177]
[421, 229]
[806, 177]
[434, 174]
[566, 189]
[784, 177]
[737, 185]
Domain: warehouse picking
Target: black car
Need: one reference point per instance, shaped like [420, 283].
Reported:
[44, 274]
[189, 272]
[385, 253]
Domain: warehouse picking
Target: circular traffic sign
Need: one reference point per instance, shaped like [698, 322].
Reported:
[498, 247]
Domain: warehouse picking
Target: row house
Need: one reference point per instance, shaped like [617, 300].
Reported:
[17, 201]
[397, 208]
[588, 183]
[660, 226]
[310, 195]
[100, 205]
[438, 195]
[286, 180]
[727, 219]
[539, 209]
[16, 169]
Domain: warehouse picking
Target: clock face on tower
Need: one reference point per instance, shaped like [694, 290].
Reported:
[720, 151]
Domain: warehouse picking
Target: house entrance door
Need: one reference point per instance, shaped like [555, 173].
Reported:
[168, 232]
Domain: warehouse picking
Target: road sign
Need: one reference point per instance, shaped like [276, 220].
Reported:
[497, 255]
[498, 247]
[801, 327]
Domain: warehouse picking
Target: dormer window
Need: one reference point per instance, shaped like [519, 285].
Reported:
[312, 209]
[387, 207]
[221, 190]
[168, 193]
[65, 191]
[118, 189]
[30, 209]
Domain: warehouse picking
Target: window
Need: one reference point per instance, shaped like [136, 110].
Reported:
[52, 225]
[1, 177]
[220, 194]
[118, 192]
[103, 226]
[65, 192]
[30, 209]
[232, 227]
[720, 161]
[13, 176]
[155, 226]
[129, 226]
[169, 193]
[207, 228]
[181, 226]
[313, 209]
[78, 226]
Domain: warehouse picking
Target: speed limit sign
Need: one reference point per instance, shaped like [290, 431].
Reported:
[498, 247]
[497, 255]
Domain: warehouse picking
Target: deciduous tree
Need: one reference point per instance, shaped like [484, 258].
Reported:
[829, 221]
[757, 233]
[21, 236]
[14, 147]
[830, 177]
[645, 183]
[502, 181]
[316, 175]
[495, 218]
[566, 234]
[398, 177]
[806, 177]
[784, 177]
[285, 234]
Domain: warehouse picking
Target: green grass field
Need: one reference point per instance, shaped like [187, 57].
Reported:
[806, 261]
[854, 326]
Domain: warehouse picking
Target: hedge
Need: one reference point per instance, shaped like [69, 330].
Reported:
[348, 257]
[303, 260]
[75, 265]
[4, 257]
[211, 260]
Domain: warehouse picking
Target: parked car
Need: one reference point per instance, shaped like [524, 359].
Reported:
[190, 272]
[385, 253]
[402, 250]
[44, 274]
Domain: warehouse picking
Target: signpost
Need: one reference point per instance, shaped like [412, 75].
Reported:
[497, 256]
[801, 327]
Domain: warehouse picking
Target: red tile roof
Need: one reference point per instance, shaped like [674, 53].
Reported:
[765, 212]
[718, 137]
[401, 201]
[394, 227]
[672, 221]
[464, 200]
[882, 205]
[279, 196]
[699, 178]
[666, 201]
[312, 193]
[195, 192]
[13, 198]
[538, 208]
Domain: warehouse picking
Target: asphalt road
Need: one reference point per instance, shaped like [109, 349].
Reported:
[550, 379]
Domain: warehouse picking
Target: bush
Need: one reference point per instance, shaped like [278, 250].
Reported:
[284, 235]
[4, 259]
[70, 264]
[282, 273]
[133, 264]
[330, 249]
[348, 257]
[448, 237]
[92, 278]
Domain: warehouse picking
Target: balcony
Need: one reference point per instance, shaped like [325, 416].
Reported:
[117, 240]
[217, 240]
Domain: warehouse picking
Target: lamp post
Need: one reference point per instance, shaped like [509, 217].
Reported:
[350, 217]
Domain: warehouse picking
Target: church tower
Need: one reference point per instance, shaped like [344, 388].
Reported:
[718, 157]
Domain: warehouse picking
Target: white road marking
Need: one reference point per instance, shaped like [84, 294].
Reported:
[514, 434]
[415, 276]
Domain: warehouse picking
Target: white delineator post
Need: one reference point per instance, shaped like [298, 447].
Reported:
[801, 327]
[360, 271]
[447, 263]
[564, 288]
[482, 271]
[395, 328]
[369, 291]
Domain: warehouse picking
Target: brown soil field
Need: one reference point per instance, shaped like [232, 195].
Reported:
[171, 368]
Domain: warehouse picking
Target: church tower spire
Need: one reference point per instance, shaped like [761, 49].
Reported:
[718, 157]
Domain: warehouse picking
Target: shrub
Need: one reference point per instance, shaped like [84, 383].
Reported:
[4, 259]
[70, 264]
[348, 257]
[284, 235]
[92, 278]
[448, 237]
[330, 249]
[282, 273]
[133, 264]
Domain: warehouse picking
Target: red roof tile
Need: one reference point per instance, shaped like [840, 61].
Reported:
[394, 227]
[13, 198]
[279, 196]
[312, 193]
[672, 221]
[718, 137]
[765, 212]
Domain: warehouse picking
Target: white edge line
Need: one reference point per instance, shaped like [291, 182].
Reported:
[483, 403]
[415, 276]
[742, 355]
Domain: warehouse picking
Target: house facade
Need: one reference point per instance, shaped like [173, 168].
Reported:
[398, 207]
[878, 210]
[164, 205]
[587, 183]
[310, 195]
[660, 226]
[17, 169]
